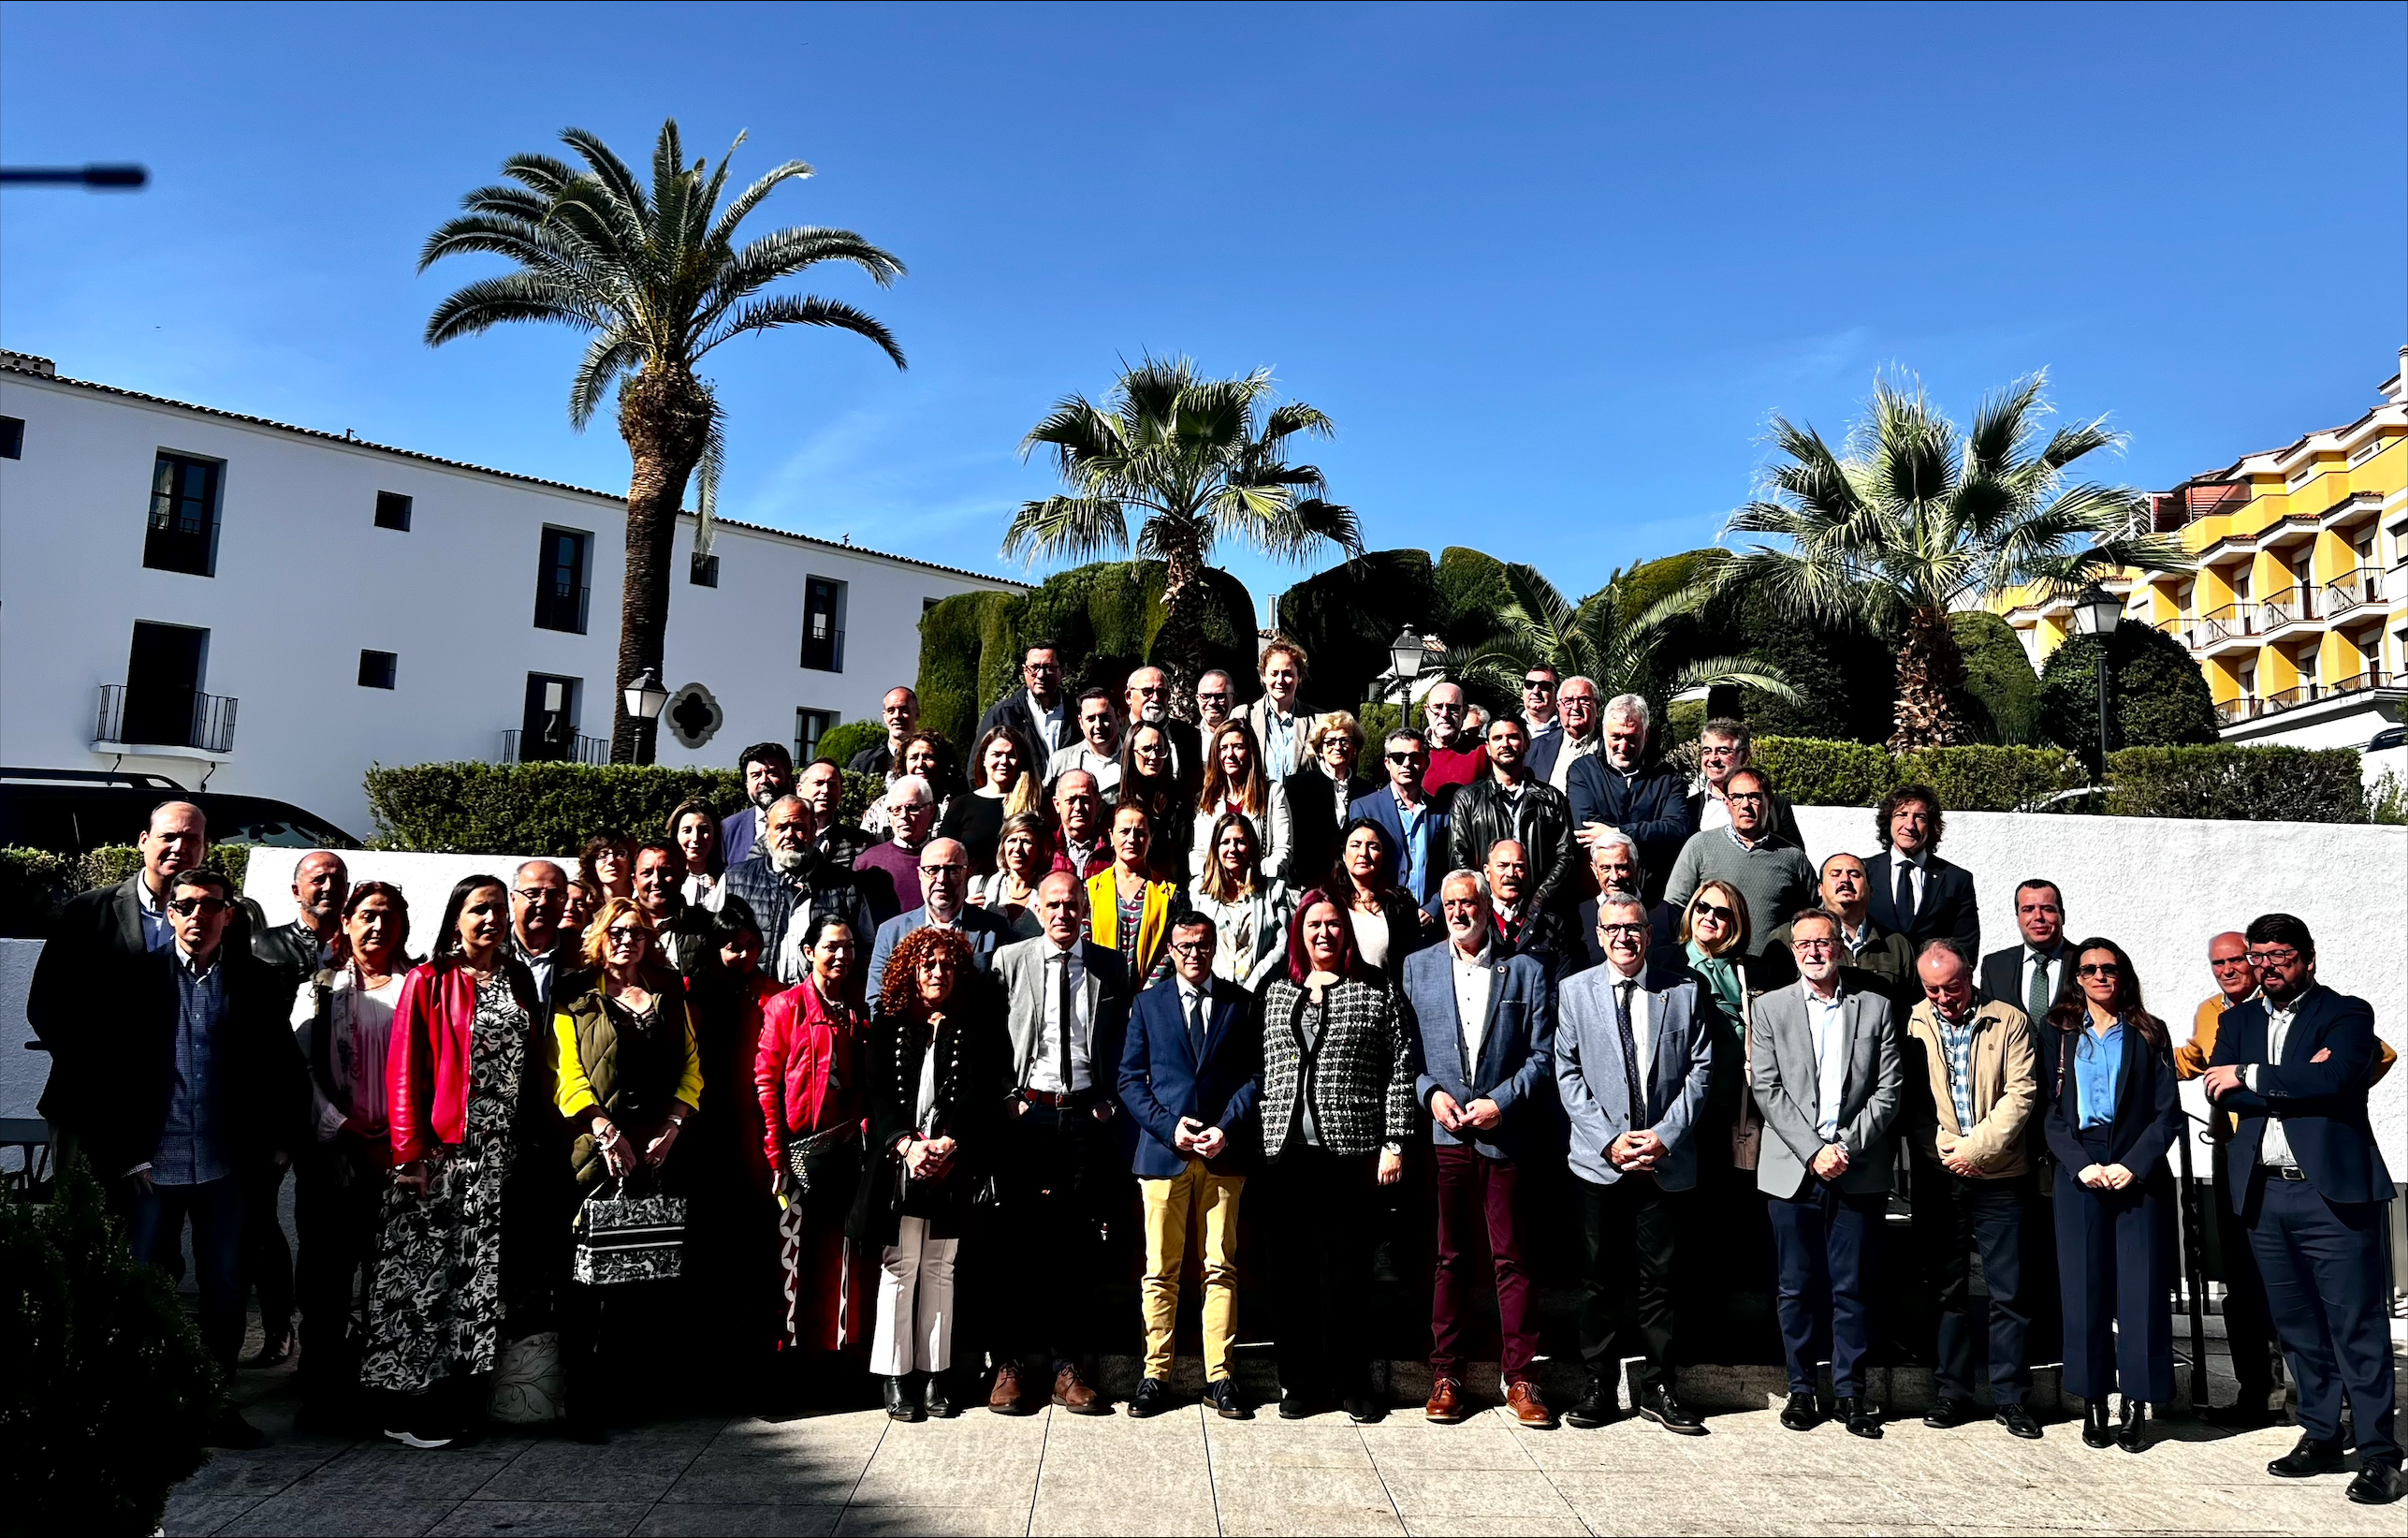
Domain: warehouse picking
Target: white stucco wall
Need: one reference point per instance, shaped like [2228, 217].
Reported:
[305, 582]
[2161, 887]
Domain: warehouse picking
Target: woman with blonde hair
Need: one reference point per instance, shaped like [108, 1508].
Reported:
[1001, 786]
[1234, 781]
[1024, 855]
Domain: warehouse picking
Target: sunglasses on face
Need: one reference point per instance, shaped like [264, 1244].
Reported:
[185, 907]
[2098, 969]
[1713, 911]
[1402, 757]
[1538, 686]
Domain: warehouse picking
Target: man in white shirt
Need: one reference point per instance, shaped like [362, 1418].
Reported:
[1215, 698]
[1098, 750]
[1067, 1009]
[1280, 721]
[1553, 754]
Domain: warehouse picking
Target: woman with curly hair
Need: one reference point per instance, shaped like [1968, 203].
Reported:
[607, 868]
[937, 1078]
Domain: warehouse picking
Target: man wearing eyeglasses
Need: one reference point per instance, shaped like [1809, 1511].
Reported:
[1725, 744]
[1882, 960]
[1215, 699]
[1035, 712]
[2294, 1065]
[1618, 788]
[1828, 1080]
[539, 895]
[945, 905]
[1769, 870]
[1633, 1063]
[1417, 828]
[1149, 701]
[1456, 753]
[1579, 711]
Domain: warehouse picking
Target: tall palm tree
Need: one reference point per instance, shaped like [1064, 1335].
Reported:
[1197, 460]
[1918, 519]
[1603, 638]
[657, 277]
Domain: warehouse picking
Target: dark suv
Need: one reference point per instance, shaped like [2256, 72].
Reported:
[69, 811]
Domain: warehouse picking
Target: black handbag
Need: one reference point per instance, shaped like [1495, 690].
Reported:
[823, 1160]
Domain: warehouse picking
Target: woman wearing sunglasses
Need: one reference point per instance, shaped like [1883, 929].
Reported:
[2108, 1073]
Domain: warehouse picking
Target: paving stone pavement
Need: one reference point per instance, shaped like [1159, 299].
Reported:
[1188, 1471]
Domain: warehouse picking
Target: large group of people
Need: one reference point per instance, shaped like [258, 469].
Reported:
[1089, 994]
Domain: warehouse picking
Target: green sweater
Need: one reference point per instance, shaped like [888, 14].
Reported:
[1774, 877]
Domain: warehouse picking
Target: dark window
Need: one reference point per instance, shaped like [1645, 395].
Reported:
[163, 676]
[559, 581]
[12, 438]
[823, 624]
[702, 571]
[810, 727]
[928, 604]
[376, 670]
[393, 511]
[184, 516]
[548, 731]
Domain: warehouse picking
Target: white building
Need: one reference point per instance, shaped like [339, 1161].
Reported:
[211, 596]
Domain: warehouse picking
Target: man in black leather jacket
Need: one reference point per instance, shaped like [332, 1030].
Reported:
[1504, 802]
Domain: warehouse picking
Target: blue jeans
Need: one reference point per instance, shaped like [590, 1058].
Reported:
[155, 1225]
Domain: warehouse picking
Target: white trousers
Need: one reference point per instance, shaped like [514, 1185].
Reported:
[914, 1331]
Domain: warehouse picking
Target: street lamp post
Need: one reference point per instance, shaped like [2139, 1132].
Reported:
[2095, 615]
[645, 698]
[1405, 654]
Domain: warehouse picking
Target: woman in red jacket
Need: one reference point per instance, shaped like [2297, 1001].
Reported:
[469, 1077]
[809, 1075]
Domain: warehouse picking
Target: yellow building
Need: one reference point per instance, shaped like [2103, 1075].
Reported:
[2298, 608]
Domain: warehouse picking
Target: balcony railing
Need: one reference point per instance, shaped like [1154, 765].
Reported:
[2306, 691]
[824, 651]
[164, 716]
[2350, 591]
[517, 748]
[2259, 617]
[561, 606]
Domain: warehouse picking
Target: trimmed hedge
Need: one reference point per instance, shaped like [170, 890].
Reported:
[1811, 771]
[840, 742]
[2226, 782]
[1814, 773]
[34, 883]
[548, 809]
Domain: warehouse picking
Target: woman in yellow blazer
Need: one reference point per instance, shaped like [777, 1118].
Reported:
[630, 1076]
[1128, 910]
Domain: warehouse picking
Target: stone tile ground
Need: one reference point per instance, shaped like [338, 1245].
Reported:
[1188, 1472]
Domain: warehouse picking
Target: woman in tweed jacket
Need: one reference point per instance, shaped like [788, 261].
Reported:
[1337, 1105]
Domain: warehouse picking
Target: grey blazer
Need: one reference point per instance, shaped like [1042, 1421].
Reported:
[1020, 968]
[1781, 1049]
[1597, 1094]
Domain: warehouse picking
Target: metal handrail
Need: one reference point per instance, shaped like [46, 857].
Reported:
[585, 750]
[209, 729]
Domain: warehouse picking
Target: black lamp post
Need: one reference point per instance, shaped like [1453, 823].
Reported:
[2095, 615]
[645, 698]
[1405, 655]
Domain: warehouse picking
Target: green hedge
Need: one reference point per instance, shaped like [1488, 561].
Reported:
[35, 883]
[840, 742]
[1811, 771]
[1814, 772]
[548, 809]
[2226, 782]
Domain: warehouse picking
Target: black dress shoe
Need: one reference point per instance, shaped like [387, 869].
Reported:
[1802, 1413]
[2131, 1433]
[938, 1401]
[1658, 1403]
[1949, 1413]
[2094, 1431]
[1598, 1405]
[2018, 1422]
[1152, 1397]
[1864, 1419]
[1363, 1410]
[1295, 1404]
[902, 1403]
[1221, 1394]
[2245, 1414]
[2378, 1485]
[2310, 1458]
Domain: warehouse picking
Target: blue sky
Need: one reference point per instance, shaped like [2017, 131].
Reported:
[1550, 269]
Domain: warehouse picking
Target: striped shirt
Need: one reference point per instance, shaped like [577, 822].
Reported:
[1956, 1037]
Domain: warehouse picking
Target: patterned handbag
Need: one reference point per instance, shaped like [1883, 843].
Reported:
[830, 1159]
[624, 1238]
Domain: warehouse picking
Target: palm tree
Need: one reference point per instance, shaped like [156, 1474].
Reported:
[1603, 639]
[659, 280]
[1197, 460]
[1920, 518]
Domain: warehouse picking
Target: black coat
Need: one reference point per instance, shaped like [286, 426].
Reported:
[1314, 824]
[1947, 912]
[2147, 1116]
[1481, 818]
[973, 1077]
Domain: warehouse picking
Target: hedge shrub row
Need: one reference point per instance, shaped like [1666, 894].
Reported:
[35, 883]
[548, 809]
[2222, 780]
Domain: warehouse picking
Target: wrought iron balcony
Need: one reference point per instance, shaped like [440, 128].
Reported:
[163, 716]
[573, 748]
[560, 606]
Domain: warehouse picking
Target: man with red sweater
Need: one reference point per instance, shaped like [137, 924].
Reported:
[1457, 757]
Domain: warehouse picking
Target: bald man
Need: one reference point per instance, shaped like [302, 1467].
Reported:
[1457, 754]
[944, 903]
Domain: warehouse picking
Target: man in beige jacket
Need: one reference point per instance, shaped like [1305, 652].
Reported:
[1977, 1091]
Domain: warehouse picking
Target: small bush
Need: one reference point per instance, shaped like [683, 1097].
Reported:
[1993, 779]
[2157, 697]
[34, 883]
[1813, 772]
[113, 862]
[840, 742]
[2386, 799]
[860, 791]
[532, 809]
[107, 1389]
[2224, 781]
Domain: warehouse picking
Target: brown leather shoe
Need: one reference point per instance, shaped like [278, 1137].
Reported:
[1522, 1399]
[1071, 1393]
[1008, 1398]
[1445, 1406]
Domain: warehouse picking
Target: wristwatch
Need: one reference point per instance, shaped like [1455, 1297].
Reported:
[1398, 1149]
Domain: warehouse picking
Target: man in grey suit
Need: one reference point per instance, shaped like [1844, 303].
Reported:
[1827, 1078]
[1485, 1021]
[945, 885]
[1632, 1060]
[1066, 1008]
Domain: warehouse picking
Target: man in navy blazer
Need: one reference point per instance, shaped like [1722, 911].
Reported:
[1910, 890]
[2294, 1063]
[1616, 787]
[1633, 1063]
[1190, 1073]
[1417, 829]
[944, 883]
[768, 771]
[1485, 1019]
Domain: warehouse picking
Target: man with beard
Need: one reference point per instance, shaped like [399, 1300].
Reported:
[788, 884]
[768, 771]
[1149, 702]
[681, 931]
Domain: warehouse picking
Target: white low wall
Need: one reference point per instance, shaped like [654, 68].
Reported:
[2160, 886]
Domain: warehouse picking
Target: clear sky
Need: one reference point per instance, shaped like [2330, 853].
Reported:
[1550, 269]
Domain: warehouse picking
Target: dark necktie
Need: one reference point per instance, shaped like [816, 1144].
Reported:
[1905, 898]
[2036, 999]
[1638, 1121]
[1196, 1026]
[1069, 1020]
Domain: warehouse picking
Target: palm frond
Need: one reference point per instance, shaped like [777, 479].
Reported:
[1066, 526]
[506, 297]
[803, 310]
